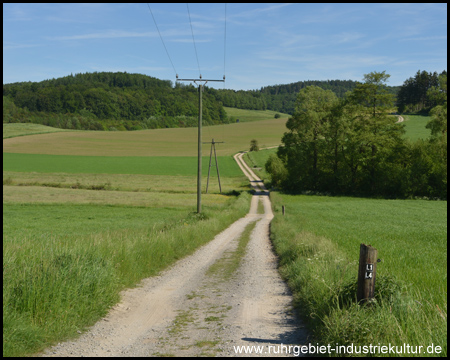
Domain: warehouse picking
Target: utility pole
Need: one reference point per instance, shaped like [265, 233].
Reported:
[199, 171]
[213, 145]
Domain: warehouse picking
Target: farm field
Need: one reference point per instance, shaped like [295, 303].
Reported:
[254, 115]
[84, 227]
[22, 129]
[85, 213]
[154, 165]
[158, 142]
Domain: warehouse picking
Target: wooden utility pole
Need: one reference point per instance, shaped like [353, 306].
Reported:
[213, 145]
[199, 159]
[199, 167]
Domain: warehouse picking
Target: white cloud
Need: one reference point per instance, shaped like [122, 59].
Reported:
[19, 46]
[425, 38]
[189, 40]
[347, 37]
[109, 34]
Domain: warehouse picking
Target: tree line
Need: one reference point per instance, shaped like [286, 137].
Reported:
[415, 95]
[122, 101]
[282, 98]
[354, 146]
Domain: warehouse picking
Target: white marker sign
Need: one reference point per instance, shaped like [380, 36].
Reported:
[369, 271]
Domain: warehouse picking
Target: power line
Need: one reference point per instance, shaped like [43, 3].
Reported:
[193, 40]
[224, 43]
[162, 39]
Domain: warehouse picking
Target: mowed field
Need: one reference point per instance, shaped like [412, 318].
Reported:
[415, 126]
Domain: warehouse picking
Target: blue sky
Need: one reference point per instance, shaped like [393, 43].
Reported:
[266, 44]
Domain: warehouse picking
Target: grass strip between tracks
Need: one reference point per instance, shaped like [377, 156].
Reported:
[226, 266]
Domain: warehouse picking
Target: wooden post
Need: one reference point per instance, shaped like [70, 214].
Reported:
[366, 273]
[217, 166]
[213, 145]
[283, 209]
[209, 169]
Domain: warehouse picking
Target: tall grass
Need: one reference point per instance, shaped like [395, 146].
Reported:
[57, 284]
[318, 244]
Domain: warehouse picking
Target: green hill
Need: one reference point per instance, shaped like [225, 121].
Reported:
[108, 101]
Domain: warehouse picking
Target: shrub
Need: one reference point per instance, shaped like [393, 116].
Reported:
[276, 169]
[254, 145]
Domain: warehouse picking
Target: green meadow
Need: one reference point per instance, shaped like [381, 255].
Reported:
[253, 115]
[415, 126]
[318, 243]
[155, 165]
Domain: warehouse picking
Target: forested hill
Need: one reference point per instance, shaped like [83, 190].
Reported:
[122, 101]
[282, 98]
[108, 101]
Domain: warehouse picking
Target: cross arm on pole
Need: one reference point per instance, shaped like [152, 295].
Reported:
[200, 80]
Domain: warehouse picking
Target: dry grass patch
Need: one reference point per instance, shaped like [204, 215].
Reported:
[125, 182]
[46, 195]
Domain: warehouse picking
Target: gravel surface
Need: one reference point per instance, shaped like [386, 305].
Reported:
[187, 311]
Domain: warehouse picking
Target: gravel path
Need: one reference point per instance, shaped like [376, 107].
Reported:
[400, 118]
[188, 311]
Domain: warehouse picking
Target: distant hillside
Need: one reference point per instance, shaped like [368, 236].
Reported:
[108, 101]
[282, 98]
[122, 101]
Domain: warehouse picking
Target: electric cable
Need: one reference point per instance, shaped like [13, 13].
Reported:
[193, 40]
[224, 45]
[162, 39]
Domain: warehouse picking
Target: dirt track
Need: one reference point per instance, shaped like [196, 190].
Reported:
[186, 311]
